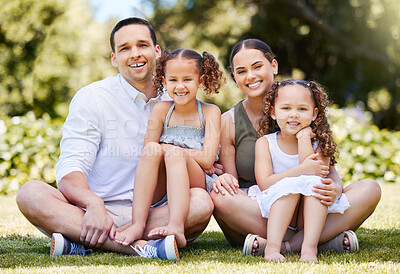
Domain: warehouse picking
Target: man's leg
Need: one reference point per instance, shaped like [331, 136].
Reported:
[46, 208]
[200, 211]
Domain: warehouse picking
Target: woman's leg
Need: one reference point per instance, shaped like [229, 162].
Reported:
[280, 215]
[363, 197]
[149, 187]
[182, 172]
[238, 215]
[314, 219]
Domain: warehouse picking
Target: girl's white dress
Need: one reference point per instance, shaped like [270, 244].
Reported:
[291, 185]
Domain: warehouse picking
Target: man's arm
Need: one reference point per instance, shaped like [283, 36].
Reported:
[96, 223]
[79, 147]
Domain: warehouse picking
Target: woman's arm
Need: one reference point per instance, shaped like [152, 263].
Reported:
[227, 182]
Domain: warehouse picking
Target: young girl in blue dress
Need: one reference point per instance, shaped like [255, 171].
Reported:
[292, 156]
[182, 141]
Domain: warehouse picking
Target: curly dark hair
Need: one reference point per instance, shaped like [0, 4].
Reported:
[207, 66]
[320, 126]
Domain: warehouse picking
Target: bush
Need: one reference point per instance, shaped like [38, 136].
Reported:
[29, 149]
[365, 151]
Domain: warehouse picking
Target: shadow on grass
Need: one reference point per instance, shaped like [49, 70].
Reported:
[28, 251]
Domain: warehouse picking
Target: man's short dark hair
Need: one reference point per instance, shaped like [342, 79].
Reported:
[132, 21]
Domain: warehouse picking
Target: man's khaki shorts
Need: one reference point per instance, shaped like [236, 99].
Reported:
[121, 211]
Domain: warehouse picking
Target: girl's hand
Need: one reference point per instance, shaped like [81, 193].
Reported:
[226, 183]
[313, 166]
[328, 192]
[305, 133]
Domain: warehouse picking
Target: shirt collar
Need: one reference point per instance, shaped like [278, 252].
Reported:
[135, 94]
[132, 92]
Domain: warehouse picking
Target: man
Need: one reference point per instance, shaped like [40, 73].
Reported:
[102, 140]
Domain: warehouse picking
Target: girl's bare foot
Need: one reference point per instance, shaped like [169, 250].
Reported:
[273, 255]
[129, 235]
[308, 256]
[164, 231]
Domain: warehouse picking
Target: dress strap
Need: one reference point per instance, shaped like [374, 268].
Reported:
[168, 115]
[200, 113]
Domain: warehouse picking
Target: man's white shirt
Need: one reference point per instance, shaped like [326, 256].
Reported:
[103, 136]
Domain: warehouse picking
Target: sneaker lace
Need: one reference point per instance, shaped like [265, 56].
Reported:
[147, 251]
[77, 249]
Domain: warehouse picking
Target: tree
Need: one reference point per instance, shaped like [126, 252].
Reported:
[48, 50]
[351, 47]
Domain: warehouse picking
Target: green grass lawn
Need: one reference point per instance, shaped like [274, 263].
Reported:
[24, 250]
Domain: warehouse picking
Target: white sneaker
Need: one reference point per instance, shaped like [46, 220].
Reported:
[62, 246]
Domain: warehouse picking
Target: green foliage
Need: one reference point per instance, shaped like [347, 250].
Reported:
[352, 47]
[48, 50]
[29, 150]
[365, 151]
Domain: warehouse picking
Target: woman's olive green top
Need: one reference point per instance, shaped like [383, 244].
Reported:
[245, 141]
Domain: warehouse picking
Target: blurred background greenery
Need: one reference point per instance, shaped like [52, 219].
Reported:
[49, 49]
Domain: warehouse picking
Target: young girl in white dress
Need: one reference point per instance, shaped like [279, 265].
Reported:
[292, 156]
[181, 141]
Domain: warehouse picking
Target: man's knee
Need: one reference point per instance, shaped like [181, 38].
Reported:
[201, 203]
[31, 195]
[27, 192]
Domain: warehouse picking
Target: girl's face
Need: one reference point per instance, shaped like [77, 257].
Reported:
[294, 109]
[182, 80]
[253, 73]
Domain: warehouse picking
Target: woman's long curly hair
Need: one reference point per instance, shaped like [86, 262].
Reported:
[320, 126]
[206, 63]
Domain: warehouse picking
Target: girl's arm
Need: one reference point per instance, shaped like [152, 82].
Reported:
[227, 182]
[212, 122]
[305, 148]
[156, 122]
[264, 172]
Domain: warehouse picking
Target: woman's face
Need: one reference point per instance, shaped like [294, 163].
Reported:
[253, 73]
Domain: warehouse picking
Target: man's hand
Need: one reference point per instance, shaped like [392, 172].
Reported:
[226, 183]
[97, 225]
[328, 192]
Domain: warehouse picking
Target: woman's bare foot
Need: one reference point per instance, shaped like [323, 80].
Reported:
[272, 254]
[346, 243]
[308, 255]
[164, 231]
[129, 235]
[256, 246]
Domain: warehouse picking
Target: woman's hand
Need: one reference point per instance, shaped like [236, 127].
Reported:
[328, 192]
[226, 183]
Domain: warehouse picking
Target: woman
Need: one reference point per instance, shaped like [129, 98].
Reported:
[253, 67]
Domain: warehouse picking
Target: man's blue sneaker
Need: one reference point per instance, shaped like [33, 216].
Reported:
[62, 246]
[163, 248]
